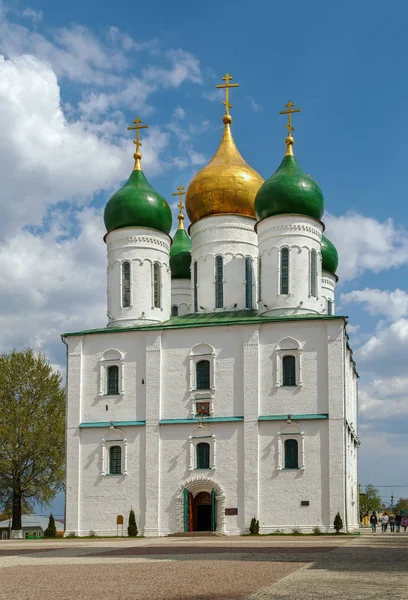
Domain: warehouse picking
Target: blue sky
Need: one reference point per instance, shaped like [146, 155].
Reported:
[74, 75]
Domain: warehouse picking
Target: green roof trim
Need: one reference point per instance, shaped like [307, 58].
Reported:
[180, 255]
[293, 417]
[198, 420]
[330, 257]
[215, 319]
[114, 423]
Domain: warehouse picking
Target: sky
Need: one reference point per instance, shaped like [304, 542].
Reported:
[74, 75]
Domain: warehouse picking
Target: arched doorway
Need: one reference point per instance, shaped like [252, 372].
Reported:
[200, 505]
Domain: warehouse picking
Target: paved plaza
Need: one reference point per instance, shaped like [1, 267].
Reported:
[362, 567]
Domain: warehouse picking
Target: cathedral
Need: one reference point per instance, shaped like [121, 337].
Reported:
[223, 387]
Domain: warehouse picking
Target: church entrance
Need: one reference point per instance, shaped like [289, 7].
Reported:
[199, 511]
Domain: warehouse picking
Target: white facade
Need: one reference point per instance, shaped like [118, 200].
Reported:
[244, 406]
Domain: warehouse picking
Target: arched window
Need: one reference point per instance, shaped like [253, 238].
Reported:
[157, 285]
[203, 455]
[259, 279]
[291, 454]
[329, 307]
[195, 288]
[115, 460]
[313, 273]
[289, 370]
[219, 284]
[174, 311]
[125, 284]
[248, 282]
[284, 271]
[113, 380]
[203, 375]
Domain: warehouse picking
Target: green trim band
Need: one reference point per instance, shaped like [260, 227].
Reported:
[293, 417]
[114, 423]
[225, 318]
[196, 420]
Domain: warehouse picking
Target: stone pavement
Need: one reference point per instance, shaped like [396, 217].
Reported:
[365, 567]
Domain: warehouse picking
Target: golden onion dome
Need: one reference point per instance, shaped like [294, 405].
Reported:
[227, 184]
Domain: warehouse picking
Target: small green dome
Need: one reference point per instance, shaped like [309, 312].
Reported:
[330, 258]
[289, 191]
[137, 204]
[180, 255]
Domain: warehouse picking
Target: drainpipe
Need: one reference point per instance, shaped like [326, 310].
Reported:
[64, 341]
[345, 429]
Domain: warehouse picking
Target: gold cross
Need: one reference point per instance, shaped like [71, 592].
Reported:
[290, 110]
[137, 127]
[227, 87]
[180, 192]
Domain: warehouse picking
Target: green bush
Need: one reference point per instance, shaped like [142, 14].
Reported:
[132, 528]
[71, 534]
[317, 530]
[296, 531]
[92, 533]
[51, 531]
[338, 523]
[254, 527]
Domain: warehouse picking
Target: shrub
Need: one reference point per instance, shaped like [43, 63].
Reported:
[51, 531]
[317, 530]
[132, 528]
[338, 523]
[92, 533]
[254, 527]
[296, 531]
[71, 534]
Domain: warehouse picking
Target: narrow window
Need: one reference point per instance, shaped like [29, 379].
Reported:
[115, 460]
[284, 271]
[157, 285]
[203, 375]
[203, 455]
[248, 282]
[219, 285]
[126, 284]
[329, 307]
[291, 454]
[289, 370]
[195, 288]
[313, 273]
[113, 380]
[259, 279]
[174, 311]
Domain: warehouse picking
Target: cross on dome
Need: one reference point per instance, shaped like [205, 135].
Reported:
[226, 86]
[180, 192]
[137, 155]
[289, 139]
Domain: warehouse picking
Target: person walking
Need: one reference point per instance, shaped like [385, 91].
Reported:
[398, 520]
[391, 520]
[373, 521]
[404, 523]
[384, 522]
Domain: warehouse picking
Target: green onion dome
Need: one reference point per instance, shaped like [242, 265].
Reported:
[137, 204]
[180, 255]
[289, 191]
[330, 258]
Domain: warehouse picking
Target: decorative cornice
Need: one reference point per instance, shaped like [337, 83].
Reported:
[328, 282]
[294, 228]
[136, 240]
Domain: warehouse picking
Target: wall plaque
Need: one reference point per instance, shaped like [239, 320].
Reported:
[231, 511]
[305, 503]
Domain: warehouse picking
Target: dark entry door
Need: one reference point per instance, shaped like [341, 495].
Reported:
[204, 517]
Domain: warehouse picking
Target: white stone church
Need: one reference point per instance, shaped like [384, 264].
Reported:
[223, 386]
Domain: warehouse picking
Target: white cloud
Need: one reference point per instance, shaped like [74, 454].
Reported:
[184, 67]
[179, 113]
[254, 105]
[34, 15]
[391, 304]
[365, 244]
[386, 352]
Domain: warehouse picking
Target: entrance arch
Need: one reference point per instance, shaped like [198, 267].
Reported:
[194, 493]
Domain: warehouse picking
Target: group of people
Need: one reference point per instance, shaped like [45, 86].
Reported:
[394, 521]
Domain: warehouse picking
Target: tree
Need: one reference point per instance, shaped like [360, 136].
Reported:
[338, 523]
[132, 529]
[370, 500]
[402, 504]
[51, 531]
[254, 526]
[32, 432]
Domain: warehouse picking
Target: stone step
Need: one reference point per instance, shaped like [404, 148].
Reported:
[187, 534]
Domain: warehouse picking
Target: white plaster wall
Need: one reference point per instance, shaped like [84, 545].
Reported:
[328, 287]
[156, 387]
[181, 295]
[142, 247]
[233, 237]
[301, 235]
